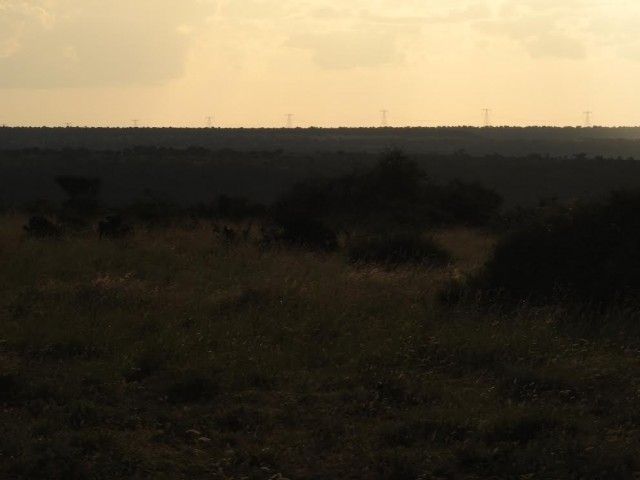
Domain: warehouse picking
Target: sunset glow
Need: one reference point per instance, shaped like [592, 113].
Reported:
[251, 62]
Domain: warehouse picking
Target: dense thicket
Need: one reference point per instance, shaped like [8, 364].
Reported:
[396, 193]
[587, 254]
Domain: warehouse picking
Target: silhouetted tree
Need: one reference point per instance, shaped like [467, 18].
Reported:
[396, 176]
[82, 194]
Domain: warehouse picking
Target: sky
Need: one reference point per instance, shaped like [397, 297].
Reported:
[328, 63]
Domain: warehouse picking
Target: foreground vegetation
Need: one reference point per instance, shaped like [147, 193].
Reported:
[177, 353]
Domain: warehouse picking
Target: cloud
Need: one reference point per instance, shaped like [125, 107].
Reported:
[567, 29]
[516, 7]
[86, 43]
[331, 14]
[466, 13]
[253, 9]
[341, 50]
[542, 28]
[631, 52]
[377, 34]
[15, 17]
[556, 45]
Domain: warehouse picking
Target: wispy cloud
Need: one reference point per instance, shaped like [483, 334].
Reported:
[350, 49]
[543, 28]
[376, 34]
[567, 29]
[443, 16]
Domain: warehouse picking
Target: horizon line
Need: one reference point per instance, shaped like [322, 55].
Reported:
[310, 127]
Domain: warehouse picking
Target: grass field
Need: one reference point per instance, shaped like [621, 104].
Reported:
[173, 355]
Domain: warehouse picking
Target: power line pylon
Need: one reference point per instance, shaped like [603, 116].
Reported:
[383, 121]
[486, 112]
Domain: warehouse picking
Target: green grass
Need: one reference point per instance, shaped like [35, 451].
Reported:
[172, 355]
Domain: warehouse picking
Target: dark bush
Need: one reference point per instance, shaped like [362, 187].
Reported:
[309, 233]
[394, 193]
[396, 176]
[42, 227]
[311, 198]
[301, 232]
[227, 207]
[153, 211]
[114, 226]
[398, 249]
[82, 193]
[82, 203]
[77, 187]
[469, 204]
[588, 254]
[237, 208]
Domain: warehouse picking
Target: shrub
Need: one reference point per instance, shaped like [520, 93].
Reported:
[395, 176]
[226, 207]
[82, 193]
[301, 232]
[470, 204]
[114, 226]
[588, 255]
[42, 227]
[237, 208]
[398, 249]
[395, 192]
[153, 211]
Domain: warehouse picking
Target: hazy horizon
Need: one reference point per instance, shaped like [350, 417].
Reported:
[314, 127]
[249, 63]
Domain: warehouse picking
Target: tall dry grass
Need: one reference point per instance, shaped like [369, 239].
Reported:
[173, 354]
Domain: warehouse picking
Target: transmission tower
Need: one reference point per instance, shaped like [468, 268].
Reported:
[135, 123]
[383, 121]
[289, 120]
[209, 122]
[486, 112]
[587, 118]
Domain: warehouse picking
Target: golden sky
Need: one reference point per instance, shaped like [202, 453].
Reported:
[327, 62]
